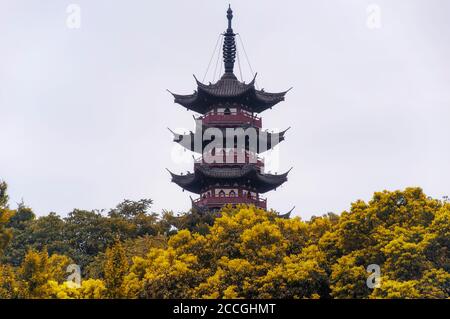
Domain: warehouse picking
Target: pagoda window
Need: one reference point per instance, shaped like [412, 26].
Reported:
[227, 111]
[232, 193]
[221, 193]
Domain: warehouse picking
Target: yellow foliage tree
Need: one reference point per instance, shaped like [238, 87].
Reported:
[251, 253]
[38, 270]
[115, 269]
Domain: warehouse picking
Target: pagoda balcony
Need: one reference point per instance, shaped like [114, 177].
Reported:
[231, 118]
[219, 201]
[229, 159]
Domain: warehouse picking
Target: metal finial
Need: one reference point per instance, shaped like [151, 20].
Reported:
[229, 45]
[229, 16]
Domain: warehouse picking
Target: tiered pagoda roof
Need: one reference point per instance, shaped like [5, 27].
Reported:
[249, 175]
[265, 140]
[229, 106]
[228, 90]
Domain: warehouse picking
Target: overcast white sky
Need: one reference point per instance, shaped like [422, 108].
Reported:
[83, 112]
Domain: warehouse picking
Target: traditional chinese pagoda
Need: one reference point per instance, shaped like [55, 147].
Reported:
[229, 137]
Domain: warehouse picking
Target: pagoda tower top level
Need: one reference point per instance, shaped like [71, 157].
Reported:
[228, 89]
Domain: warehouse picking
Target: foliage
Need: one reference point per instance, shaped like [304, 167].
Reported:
[239, 252]
[5, 216]
[82, 235]
[115, 268]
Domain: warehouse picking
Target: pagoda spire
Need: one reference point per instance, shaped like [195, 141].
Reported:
[229, 45]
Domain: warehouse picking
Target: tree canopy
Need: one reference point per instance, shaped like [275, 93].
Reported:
[240, 252]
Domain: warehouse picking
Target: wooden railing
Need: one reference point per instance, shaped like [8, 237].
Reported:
[229, 159]
[214, 201]
[238, 117]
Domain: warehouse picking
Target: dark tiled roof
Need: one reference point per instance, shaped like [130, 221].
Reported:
[266, 140]
[227, 86]
[247, 174]
[228, 89]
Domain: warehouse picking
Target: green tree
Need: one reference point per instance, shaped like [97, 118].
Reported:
[47, 232]
[5, 216]
[3, 194]
[115, 268]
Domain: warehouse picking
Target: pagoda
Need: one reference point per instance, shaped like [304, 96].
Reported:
[229, 137]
